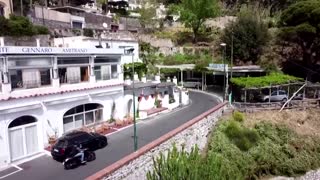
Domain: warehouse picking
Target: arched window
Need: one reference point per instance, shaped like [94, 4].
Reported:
[22, 121]
[81, 115]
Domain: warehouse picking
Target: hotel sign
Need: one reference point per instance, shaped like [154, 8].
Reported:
[54, 50]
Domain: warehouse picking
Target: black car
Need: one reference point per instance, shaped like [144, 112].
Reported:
[63, 147]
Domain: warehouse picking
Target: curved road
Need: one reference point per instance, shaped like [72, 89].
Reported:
[120, 143]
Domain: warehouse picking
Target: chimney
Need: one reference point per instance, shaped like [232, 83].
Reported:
[1, 41]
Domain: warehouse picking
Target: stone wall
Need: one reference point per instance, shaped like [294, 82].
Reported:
[166, 46]
[28, 40]
[50, 23]
[188, 135]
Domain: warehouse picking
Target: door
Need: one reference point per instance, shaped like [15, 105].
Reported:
[23, 141]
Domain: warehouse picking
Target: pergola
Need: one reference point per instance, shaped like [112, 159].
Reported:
[234, 69]
[182, 68]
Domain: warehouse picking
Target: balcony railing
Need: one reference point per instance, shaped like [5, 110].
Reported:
[29, 84]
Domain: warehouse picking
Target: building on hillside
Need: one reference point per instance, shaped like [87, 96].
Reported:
[69, 21]
[6, 8]
[106, 43]
[47, 91]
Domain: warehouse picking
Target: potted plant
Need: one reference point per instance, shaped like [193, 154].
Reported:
[52, 139]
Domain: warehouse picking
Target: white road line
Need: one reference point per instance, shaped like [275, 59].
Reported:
[19, 169]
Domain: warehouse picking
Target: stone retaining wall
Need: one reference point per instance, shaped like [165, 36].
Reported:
[136, 165]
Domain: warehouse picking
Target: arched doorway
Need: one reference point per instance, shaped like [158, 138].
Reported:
[129, 107]
[1, 10]
[82, 115]
[23, 137]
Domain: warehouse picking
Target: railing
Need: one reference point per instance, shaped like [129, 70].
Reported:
[294, 104]
[28, 84]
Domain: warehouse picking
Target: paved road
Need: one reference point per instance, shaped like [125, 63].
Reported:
[120, 144]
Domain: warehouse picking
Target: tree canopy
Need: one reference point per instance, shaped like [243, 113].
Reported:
[193, 13]
[299, 28]
[249, 34]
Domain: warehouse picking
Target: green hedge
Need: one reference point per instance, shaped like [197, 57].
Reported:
[264, 81]
[20, 26]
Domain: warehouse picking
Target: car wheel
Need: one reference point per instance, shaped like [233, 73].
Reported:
[267, 100]
[284, 100]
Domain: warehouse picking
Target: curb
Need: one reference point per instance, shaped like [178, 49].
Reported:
[211, 94]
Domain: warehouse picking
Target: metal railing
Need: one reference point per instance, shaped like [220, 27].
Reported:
[294, 104]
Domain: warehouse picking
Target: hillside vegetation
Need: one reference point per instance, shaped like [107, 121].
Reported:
[250, 147]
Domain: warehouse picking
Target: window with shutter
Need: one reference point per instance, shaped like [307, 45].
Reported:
[73, 74]
[31, 78]
[105, 72]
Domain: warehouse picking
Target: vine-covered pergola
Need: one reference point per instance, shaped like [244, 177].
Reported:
[248, 87]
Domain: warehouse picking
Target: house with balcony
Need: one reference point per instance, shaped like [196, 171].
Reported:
[47, 91]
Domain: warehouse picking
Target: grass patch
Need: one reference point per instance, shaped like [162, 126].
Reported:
[236, 151]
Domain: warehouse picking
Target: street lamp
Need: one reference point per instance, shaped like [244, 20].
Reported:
[224, 46]
[135, 139]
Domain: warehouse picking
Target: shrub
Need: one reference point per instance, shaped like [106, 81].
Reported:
[20, 26]
[238, 116]
[41, 30]
[244, 138]
[88, 32]
[177, 165]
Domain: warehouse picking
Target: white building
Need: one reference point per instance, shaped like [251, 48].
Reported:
[106, 43]
[47, 90]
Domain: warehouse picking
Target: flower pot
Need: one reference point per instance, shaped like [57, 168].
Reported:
[52, 141]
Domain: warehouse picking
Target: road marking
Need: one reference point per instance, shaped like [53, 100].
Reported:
[14, 172]
[17, 167]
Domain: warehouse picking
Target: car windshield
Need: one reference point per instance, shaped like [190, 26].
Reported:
[61, 144]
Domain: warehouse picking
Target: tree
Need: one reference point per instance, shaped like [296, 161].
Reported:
[250, 35]
[88, 32]
[300, 30]
[147, 15]
[20, 26]
[149, 56]
[193, 13]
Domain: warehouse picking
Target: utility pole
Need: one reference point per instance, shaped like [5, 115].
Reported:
[224, 45]
[21, 7]
[135, 139]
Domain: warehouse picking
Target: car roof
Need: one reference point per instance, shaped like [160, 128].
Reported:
[74, 134]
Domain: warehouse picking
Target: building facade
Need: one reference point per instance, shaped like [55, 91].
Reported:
[48, 91]
[106, 43]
